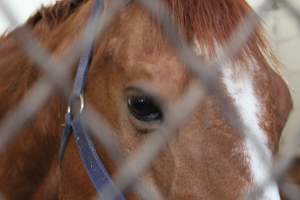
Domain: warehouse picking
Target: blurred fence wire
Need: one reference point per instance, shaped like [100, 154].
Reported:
[56, 77]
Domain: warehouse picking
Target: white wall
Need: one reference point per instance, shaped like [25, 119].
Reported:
[22, 10]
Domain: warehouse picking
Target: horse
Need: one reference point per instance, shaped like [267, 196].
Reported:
[207, 159]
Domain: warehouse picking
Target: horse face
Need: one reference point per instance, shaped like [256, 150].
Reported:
[207, 158]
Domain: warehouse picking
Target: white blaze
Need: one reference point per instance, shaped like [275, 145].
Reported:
[241, 90]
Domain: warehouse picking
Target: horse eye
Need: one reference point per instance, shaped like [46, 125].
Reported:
[144, 108]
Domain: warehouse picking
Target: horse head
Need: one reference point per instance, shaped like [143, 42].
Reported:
[136, 75]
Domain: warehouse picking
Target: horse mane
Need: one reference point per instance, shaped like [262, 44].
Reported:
[55, 14]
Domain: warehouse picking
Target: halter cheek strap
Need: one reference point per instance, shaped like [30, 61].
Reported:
[75, 124]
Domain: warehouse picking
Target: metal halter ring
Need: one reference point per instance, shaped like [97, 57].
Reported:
[73, 105]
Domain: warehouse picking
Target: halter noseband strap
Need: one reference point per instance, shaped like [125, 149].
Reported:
[75, 124]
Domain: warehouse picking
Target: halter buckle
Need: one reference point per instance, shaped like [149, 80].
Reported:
[75, 102]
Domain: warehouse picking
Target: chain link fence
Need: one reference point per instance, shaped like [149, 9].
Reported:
[56, 77]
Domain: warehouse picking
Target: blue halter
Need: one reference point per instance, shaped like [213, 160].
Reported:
[75, 124]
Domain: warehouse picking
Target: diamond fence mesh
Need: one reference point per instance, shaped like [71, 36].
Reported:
[57, 77]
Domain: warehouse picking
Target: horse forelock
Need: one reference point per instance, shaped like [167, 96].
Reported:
[211, 21]
[215, 22]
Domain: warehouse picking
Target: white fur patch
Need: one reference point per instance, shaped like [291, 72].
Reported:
[241, 89]
[242, 92]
